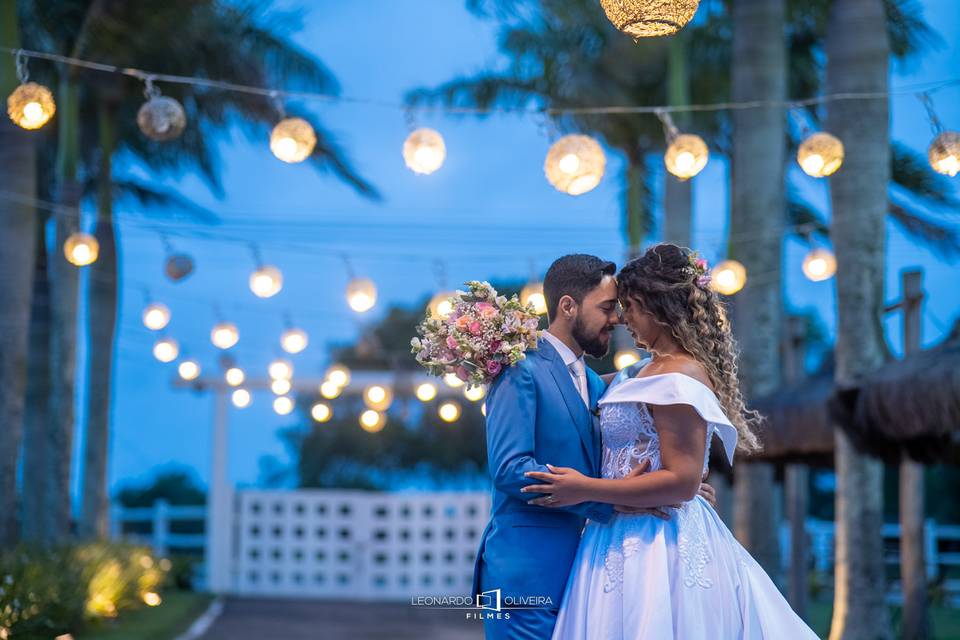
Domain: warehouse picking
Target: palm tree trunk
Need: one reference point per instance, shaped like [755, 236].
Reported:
[637, 222]
[102, 317]
[857, 60]
[678, 194]
[18, 171]
[756, 229]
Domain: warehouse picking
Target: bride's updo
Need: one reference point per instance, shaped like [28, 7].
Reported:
[672, 283]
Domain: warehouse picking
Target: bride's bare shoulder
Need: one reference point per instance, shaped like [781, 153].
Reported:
[608, 378]
[688, 367]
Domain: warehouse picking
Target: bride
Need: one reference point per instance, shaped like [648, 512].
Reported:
[640, 577]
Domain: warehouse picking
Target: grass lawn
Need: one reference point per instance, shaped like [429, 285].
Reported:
[178, 611]
[944, 623]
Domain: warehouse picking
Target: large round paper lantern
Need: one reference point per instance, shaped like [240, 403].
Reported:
[293, 140]
[686, 156]
[944, 153]
[575, 164]
[728, 277]
[31, 105]
[820, 155]
[81, 249]
[361, 294]
[156, 316]
[294, 340]
[424, 151]
[266, 281]
[649, 18]
[224, 335]
[819, 264]
[533, 294]
[161, 118]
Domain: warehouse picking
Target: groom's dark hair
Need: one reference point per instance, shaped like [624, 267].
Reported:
[575, 275]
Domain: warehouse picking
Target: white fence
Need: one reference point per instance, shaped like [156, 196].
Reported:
[388, 546]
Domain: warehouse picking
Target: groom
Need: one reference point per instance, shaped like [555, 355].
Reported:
[543, 410]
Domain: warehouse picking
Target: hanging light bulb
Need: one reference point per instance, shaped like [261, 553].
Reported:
[372, 421]
[235, 376]
[532, 294]
[81, 249]
[378, 397]
[241, 398]
[161, 118]
[178, 266]
[473, 394]
[31, 105]
[361, 294]
[440, 304]
[280, 386]
[293, 140]
[686, 156]
[449, 411]
[625, 358]
[424, 151]
[649, 18]
[166, 349]
[329, 390]
[280, 369]
[728, 277]
[282, 405]
[819, 264]
[944, 153]
[266, 282]
[575, 164]
[224, 335]
[339, 375]
[321, 412]
[820, 155]
[156, 316]
[426, 392]
[189, 369]
[451, 380]
[294, 340]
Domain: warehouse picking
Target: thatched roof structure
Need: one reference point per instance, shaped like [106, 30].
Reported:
[797, 426]
[911, 405]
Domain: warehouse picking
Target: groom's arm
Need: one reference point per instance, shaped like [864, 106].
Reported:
[511, 422]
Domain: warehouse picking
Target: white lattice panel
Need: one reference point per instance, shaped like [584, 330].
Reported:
[357, 544]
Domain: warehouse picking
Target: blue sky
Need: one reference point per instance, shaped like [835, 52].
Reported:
[488, 214]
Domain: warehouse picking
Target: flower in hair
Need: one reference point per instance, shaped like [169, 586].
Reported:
[699, 269]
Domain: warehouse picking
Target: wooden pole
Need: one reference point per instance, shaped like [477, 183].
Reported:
[796, 479]
[913, 578]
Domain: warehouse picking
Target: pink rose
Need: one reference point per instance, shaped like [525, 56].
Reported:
[475, 328]
[452, 342]
[463, 374]
[493, 367]
[486, 310]
[463, 322]
[495, 346]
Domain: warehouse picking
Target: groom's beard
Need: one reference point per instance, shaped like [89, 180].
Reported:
[593, 345]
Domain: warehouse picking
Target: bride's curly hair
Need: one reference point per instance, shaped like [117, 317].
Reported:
[671, 283]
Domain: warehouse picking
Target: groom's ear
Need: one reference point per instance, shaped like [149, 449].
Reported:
[567, 307]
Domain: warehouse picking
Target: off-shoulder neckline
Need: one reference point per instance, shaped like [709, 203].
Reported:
[674, 373]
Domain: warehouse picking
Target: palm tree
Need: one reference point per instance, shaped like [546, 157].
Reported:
[17, 250]
[859, 201]
[757, 206]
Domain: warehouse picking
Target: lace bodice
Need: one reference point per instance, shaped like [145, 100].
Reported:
[629, 437]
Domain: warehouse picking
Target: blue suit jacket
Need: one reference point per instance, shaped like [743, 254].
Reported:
[535, 415]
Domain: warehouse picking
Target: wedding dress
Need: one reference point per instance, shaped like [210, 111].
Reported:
[642, 578]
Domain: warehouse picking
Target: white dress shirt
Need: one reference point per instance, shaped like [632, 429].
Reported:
[576, 366]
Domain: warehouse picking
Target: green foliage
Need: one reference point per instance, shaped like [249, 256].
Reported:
[48, 592]
[176, 486]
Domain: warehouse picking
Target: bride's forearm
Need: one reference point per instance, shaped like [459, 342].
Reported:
[655, 489]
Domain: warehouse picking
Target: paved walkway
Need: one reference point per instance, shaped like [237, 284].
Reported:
[331, 620]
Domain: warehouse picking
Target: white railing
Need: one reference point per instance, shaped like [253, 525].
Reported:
[384, 546]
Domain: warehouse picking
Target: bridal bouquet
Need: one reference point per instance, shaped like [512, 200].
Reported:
[483, 334]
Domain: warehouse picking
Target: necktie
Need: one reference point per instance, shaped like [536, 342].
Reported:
[579, 370]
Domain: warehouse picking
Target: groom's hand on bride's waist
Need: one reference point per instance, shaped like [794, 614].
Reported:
[706, 491]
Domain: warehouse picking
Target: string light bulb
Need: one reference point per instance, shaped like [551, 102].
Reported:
[820, 155]
[189, 369]
[292, 140]
[294, 340]
[31, 105]
[280, 369]
[575, 164]
[282, 405]
[441, 306]
[426, 392]
[728, 277]
[235, 376]
[224, 335]
[339, 375]
[625, 358]
[474, 394]
[156, 316]
[361, 294]
[280, 386]
[321, 412]
[266, 281]
[532, 294]
[161, 118]
[329, 390]
[449, 411]
[819, 264]
[378, 397]
[686, 155]
[372, 421]
[241, 398]
[451, 380]
[944, 153]
[166, 350]
[424, 151]
[81, 249]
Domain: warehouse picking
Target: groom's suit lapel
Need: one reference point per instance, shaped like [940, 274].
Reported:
[582, 418]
